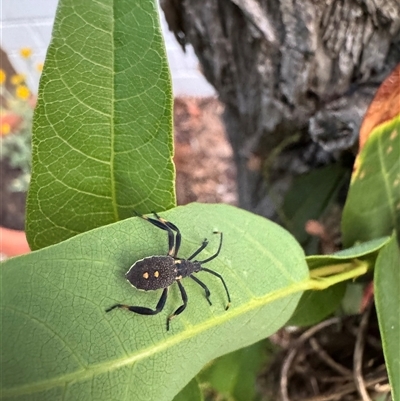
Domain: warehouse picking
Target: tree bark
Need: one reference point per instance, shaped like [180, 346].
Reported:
[296, 77]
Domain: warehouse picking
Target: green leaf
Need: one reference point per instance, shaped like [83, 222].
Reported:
[191, 392]
[361, 250]
[308, 198]
[387, 300]
[373, 203]
[234, 375]
[352, 299]
[102, 143]
[60, 343]
[314, 306]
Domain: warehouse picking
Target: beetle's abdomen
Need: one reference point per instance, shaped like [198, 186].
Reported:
[152, 273]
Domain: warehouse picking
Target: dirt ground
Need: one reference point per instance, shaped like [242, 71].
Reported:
[205, 170]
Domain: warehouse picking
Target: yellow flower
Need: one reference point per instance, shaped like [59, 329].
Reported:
[22, 92]
[39, 67]
[2, 77]
[18, 79]
[25, 52]
[5, 129]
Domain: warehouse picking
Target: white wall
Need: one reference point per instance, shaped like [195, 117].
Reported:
[28, 23]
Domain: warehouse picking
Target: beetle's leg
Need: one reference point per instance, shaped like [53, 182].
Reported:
[216, 253]
[182, 307]
[141, 310]
[201, 284]
[160, 224]
[172, 227]
[202, 246]
[223, 282]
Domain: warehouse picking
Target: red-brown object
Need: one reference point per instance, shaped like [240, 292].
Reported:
[368, 296]
[13, 242]
[384, 107]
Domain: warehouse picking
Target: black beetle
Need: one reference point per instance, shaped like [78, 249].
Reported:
[160, 272]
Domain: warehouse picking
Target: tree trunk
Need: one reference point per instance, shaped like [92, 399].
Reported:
[296, 77]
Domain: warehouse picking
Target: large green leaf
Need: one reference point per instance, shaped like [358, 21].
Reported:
[58, 342]
[372, 206]
[102, 143]
[387, 298]
[316, 305]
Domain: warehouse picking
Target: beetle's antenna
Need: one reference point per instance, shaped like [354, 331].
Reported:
[216, 253]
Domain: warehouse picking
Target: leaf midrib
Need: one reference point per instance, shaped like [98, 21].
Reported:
[112, 130]
[97, 369]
